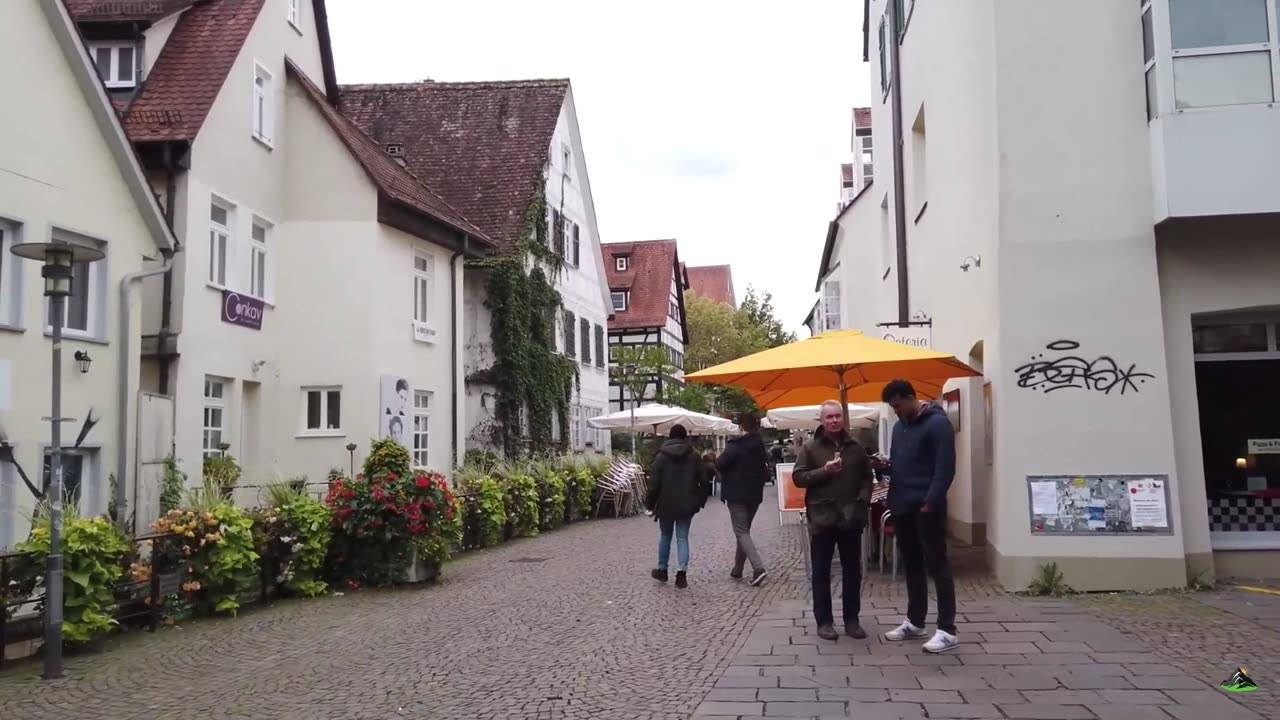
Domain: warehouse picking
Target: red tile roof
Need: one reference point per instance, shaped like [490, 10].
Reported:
[175, 98]
[124, 10]
[482, 145]
[714, 282]
[390, 178]
[651, 266]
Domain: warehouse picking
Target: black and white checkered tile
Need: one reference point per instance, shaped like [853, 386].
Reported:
[1244, 514]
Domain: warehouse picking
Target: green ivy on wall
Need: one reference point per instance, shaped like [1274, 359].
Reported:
[527, 372]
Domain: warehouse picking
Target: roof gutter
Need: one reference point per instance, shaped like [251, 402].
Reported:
[122, 381]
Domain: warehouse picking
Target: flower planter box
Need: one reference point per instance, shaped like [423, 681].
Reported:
[422, 571]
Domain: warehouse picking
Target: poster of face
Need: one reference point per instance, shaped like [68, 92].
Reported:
[393, 409]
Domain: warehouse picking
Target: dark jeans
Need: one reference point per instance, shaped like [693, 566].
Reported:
[922, 540]
[822, 546]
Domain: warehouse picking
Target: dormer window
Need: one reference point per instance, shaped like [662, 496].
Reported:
[395, 149]
[295, 14]
[622, 262]
[116, 63]
[619, 298]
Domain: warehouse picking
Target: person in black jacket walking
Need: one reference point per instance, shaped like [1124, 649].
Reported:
[678, 488]
[744, 467]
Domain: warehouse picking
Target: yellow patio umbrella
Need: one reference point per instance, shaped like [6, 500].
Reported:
[843, 362]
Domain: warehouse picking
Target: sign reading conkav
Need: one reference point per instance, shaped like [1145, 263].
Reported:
[913, 335]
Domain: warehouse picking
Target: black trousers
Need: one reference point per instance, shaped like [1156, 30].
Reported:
[922, 540]
[822, 548]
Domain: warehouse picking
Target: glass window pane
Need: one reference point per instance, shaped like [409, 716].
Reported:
[1213, 23]
[1238, 337]
[1213, 80]
[102, 59]
[218, 214]
[1152, 107]
[259, 234]
[333, 411]
[313, 410]
[1148, 43]
[124, 64]
[78, 304]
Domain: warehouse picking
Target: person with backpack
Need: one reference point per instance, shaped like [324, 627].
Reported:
[744, 468]
[678, 489]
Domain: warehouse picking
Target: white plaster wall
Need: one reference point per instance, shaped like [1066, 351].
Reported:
[154, 39]
[1212, 266]
[1076, 261]
[59, 173]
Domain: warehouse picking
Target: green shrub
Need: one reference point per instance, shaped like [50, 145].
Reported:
[387, 457]
[551, 496]
[172, 485]
[216, 540]
[94, 556]
[583, 488]
[293, 533]
[487, 505]
[222, 471]
[523, 502]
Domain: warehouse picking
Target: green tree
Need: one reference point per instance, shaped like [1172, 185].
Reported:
[757, 313]
[635, 367]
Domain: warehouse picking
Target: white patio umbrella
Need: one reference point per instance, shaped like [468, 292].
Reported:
[805, 417]
[659, 419]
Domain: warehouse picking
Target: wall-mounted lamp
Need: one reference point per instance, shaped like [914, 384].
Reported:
[83, 360]
[971, 261]
[1242, 463]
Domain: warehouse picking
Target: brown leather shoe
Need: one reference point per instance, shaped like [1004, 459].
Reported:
[855, 631]
[826, 632]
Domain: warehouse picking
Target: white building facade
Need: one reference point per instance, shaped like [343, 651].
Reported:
[1096, 236]
[70, 177]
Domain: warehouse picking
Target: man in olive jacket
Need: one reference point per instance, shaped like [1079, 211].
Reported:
[744, 466]
[836, 474]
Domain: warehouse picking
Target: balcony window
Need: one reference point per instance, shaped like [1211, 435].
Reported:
[1221, 53]
[1149, 59]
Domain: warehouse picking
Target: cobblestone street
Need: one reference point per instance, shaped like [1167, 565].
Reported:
[568, 625]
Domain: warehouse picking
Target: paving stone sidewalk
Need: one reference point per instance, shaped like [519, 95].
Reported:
[1020, 659]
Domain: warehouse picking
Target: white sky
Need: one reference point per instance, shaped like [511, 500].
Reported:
[721, 124]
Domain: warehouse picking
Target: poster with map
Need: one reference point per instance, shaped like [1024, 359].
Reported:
[1099, 504]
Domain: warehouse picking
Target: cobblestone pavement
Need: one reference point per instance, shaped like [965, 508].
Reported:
[582, 632]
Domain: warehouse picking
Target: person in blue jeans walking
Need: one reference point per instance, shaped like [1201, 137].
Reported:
[678, 489]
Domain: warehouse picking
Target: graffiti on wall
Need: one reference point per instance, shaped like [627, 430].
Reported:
[1062, 367]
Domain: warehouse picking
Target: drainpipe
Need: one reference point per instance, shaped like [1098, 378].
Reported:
[122, 381]
[453, 341]
[166, 295]
[899, 182]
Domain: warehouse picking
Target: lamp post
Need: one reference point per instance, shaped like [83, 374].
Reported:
[351, 450]
[60, 260]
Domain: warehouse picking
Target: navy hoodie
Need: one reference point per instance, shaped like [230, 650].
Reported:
[923, 461]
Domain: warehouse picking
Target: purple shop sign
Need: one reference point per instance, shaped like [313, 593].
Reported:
[241, 310]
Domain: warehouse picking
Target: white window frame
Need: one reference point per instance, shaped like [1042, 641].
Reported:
[422, 428]
[110, 76]
[613, 297]
[263, 112]
[324, 392]
[214, 402]
[259, 277]
[10, 277]
[93, 295]
[221, 242]
[566, 157]
[1162, 32]
[831, 304]
[575, 427]
[1149, 70]
[424, 283]
[621, 263]
[295, 14]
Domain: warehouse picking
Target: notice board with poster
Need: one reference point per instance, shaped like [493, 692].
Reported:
[790, 497]
[1099, 504]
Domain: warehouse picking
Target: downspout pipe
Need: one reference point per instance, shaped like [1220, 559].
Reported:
[899, 181]
[122, 382]
[454, 373]
[166, 293]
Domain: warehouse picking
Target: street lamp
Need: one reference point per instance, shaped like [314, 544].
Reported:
[351, 450]
[224, 447]
[59, 260]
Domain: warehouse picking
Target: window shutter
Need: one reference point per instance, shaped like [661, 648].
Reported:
[584, 335]
[599, 346]
[570, 328]
[557, 232]
[577, 247]
[540, 233]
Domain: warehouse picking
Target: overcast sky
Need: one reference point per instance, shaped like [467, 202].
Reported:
[721, 124]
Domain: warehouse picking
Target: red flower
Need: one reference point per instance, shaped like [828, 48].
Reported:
[391, 476]
[423, 483]
[345, 512]
[429, 505]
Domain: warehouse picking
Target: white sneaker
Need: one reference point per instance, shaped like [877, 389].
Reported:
[905, 631]
[941, 642]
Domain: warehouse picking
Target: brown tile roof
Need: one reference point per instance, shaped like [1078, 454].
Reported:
[175, 98]
[124, 10]
[714, 282]
[651, 265]
[862, 117]
[390, 178]
[482, 145]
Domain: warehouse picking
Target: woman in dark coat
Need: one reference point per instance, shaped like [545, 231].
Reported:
[678, 489]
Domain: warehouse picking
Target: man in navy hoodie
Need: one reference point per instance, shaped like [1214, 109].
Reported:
[920, 473]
